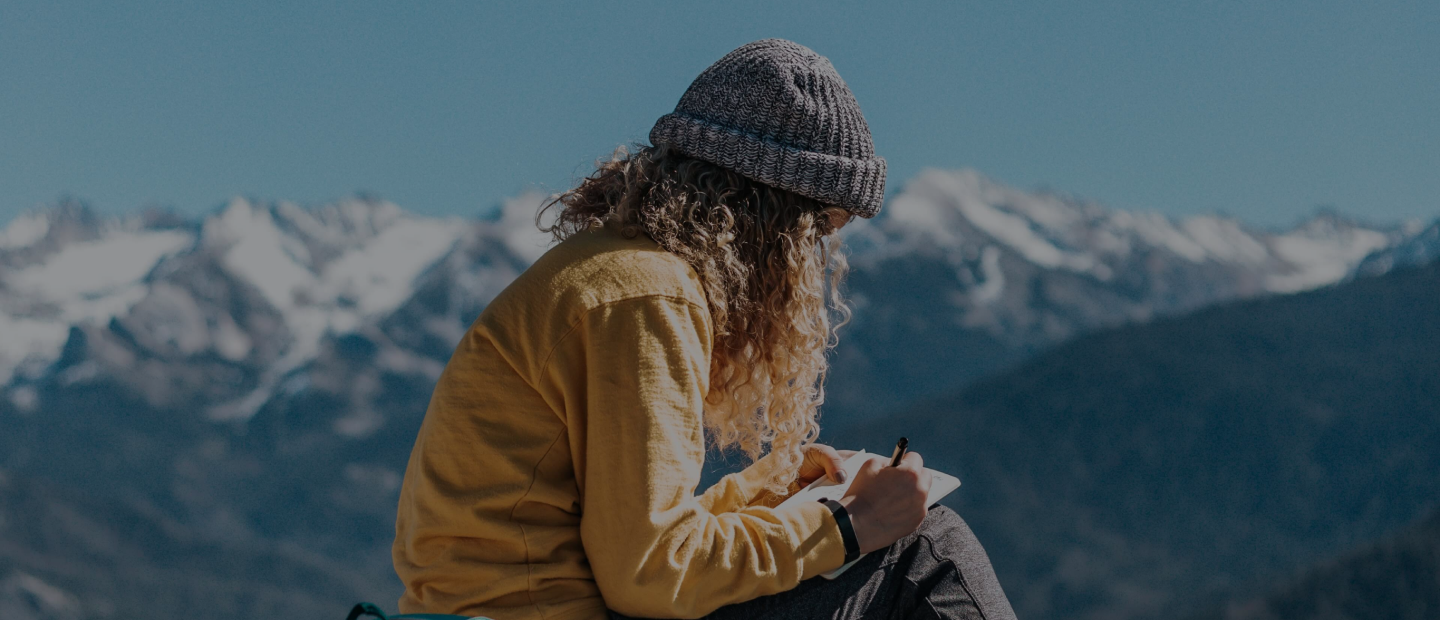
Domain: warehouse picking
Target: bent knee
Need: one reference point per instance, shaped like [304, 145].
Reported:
[942, 522]
[940, 515]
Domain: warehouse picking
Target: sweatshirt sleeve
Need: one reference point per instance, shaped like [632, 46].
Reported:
[743, 488]
[634, 377]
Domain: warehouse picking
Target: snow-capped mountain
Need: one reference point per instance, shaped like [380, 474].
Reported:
[962, 276]
[253, 288]
[999, 239]
[254, 379]
[959, 276]
[65, 267]
[1422, 246]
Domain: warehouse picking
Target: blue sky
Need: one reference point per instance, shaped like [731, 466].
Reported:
[1264, 110]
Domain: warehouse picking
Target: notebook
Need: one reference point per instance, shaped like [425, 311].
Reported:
[941, 484]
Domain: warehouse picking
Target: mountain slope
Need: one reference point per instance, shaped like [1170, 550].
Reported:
[265, 368]
[1418, 248]
[962, 276]
[1397, 578]
[72, 556]
[1139, 472]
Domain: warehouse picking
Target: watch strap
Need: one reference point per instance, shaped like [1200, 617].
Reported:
[847, 529]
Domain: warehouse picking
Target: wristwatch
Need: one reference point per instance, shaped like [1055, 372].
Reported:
[847, 530]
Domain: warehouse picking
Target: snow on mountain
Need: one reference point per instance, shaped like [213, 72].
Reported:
[320, 271]
[361, 375]
[356, 256]
[95, 280]
[240, 303]
[962, 276]
[91, 281]
[52, 277]
[261, 372]
[1421, 246]
[1032, 228]
[516, 225]
[1323, 251]
[437, 274]
[24, 231]
[1054, 232]
[326, 270]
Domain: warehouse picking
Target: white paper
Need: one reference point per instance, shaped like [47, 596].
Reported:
[941, 484]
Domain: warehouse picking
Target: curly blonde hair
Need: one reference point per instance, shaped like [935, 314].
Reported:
[771, 268]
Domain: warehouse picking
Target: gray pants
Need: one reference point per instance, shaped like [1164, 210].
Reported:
[940, 571]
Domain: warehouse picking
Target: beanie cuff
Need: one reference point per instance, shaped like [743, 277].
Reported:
[856, 185]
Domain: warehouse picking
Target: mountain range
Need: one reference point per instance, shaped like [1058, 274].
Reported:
[962, 277]
[1151, 470]
[251, 381]
[225, 310]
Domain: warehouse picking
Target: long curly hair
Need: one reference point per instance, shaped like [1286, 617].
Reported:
[771, 266]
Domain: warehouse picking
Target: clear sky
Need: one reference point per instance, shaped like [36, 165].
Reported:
[1264, 110]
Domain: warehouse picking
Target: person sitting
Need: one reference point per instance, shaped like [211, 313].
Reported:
[692, 294]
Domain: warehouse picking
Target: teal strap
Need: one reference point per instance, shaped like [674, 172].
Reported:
[365, 609]
[428, 617]
[369, 609]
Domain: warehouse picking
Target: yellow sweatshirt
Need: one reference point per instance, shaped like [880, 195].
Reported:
[555, 472]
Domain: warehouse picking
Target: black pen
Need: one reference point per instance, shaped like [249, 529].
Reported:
[900, 448]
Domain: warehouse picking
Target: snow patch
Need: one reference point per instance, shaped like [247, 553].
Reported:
[994, 284]
[935, 203]
[80, 373]
[25, 398]
[1156, 230]
[1224, 240]
[377, 277]
[1014, 231]
[230, 341]
[89, 282]
[93, 269]
[341, 223]
[517, 226]
[914, 211]
[28, 340]
[359, 423]
[258, 252]
[1321, 260]
[386, 251]
[24, 231]
[45, 600]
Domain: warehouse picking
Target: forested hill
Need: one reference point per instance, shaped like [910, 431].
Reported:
[67, 555]
[1397, 579]
[1143, 471]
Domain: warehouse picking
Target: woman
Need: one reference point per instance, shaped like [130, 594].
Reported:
[692, 292]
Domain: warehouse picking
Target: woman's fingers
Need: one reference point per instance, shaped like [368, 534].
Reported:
[828, 459]
[913, 461]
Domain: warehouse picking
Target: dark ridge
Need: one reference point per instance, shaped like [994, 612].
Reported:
[1144, 470]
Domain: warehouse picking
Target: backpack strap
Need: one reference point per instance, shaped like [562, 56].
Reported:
[365, 609]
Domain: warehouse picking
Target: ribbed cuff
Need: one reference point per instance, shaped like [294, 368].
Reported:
[857, 185]
[822, 548]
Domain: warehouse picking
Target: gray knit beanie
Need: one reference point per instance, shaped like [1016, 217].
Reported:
[776, 112]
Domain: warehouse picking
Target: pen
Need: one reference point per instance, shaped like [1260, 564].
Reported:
[900, 448]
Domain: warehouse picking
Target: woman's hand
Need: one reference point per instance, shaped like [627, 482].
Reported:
[887, 503]
[822, 460]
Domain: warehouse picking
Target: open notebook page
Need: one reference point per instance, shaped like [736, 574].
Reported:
[941, 484]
